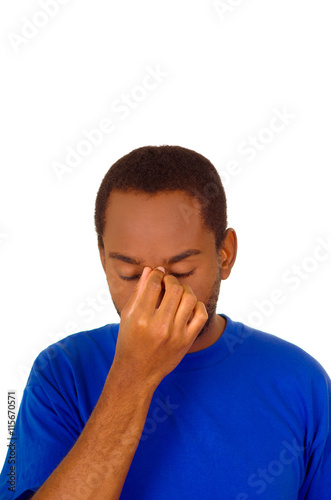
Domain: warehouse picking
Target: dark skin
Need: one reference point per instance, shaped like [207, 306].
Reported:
[153, 228]
[161, 319]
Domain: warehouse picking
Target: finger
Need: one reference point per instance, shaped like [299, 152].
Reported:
[199, 319]
[146, 294]
[151, 292]
[138, 289]
[189, 313]
[186, 307]
[170, 299]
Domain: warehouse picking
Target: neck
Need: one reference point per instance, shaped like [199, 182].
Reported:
[210, 335]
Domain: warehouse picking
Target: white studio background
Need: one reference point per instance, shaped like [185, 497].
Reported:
[222, 74]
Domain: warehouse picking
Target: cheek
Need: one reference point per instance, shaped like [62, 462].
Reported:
[198, 288]
[117, 288]
[201, 287]
[200, 292]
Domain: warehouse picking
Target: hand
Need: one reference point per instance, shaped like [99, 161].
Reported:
[152, 341]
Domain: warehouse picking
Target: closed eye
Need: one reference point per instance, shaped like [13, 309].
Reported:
[183, 275]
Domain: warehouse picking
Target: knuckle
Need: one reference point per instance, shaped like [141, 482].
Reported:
[169, 279]
[125, 312]
[187, 288]
[202, 309]
[154, 285]
[142, 322]
[204, 314]
[176, 289]
[162, 329]
[190, 299]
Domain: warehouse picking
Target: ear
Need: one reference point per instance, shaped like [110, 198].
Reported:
[228, 253]
[102, 257]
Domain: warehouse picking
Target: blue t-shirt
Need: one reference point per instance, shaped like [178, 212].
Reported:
[246, 418]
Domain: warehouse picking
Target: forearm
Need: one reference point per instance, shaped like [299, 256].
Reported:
[97, 465]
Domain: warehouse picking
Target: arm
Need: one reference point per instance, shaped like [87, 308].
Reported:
[150, 344]
[108, 441]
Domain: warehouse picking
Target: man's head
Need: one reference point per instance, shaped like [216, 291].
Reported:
[155, 204]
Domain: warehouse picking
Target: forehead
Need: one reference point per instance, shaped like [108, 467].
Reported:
[141, 222]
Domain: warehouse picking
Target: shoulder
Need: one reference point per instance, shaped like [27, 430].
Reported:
[77, 350]
[277, 355]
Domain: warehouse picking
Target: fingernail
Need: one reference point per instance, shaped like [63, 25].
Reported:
[161, 269]
[144, 271]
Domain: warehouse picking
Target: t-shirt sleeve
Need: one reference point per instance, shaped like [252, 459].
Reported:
[320, 486]
[317, 482]
[46, 429]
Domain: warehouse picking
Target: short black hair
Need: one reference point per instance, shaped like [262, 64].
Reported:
[153, 169]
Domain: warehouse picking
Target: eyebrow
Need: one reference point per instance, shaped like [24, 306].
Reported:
[172, 260]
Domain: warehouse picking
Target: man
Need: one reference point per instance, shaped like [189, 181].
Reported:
[175, 402]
